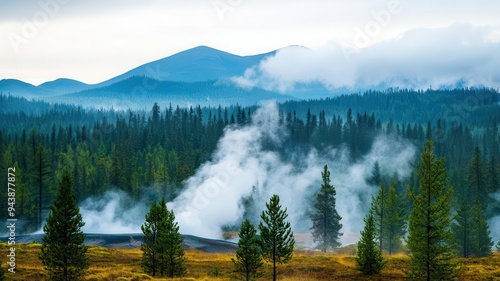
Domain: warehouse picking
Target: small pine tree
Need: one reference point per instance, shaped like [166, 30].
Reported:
[376, 175]
[394, 221]
[248, 260]
[63, 252]
[481, 242]
[429, 235]
[276, 236]
[498, 245]
[369, 259]
[326, 221]
[150, 255]
[162, 247]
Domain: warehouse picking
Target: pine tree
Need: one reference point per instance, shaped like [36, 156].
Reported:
[476, 178]
[63, 252]
[276, 236]
[326, 221]
[248, 260]
[172, 254]
[378, 211]
[394, 221]
[429, 235]
[376, 175]
[150, 229]
[41, 176]
[462, 229]
[163, 254]
[369, 259]
[498, 245]
[493, 181]
[481, 242]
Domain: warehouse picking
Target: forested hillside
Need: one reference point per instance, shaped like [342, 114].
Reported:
[152, 152]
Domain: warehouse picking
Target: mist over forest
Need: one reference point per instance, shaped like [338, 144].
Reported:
[219, 165]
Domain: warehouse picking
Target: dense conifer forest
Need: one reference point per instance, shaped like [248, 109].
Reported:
[153, 152]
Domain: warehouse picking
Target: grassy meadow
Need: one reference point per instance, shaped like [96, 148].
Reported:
[124, 264]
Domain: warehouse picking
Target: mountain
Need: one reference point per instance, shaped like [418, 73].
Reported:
[200, 75]
[64, 85]
[201, 63]
[20, 88]
[140, 92]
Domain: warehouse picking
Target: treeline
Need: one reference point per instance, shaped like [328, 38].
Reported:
[472, 106]
[153, 152]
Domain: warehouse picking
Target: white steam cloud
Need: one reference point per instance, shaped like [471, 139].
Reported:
[247, 164]
[494, 222]
[460, 55]
[111, 213]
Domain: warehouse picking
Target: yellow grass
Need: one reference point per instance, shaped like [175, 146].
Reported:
[124, 264]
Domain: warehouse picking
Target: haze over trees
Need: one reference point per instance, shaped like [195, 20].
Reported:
[153, 151]
[131, 150]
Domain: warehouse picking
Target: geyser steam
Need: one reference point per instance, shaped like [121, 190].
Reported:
[247, 164]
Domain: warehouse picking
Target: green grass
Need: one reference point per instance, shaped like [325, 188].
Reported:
[124, 264]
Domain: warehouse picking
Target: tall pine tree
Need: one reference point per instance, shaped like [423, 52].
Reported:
[326, 221]
[63, 252]
[476, 178]
[41, 176]
[248, 262]
[276, 236]
[369, 259]
[429, 235]
[462, 229]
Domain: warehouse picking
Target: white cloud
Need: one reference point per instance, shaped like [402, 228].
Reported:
[460, 54]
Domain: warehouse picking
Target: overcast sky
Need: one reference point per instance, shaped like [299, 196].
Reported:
[94, 40]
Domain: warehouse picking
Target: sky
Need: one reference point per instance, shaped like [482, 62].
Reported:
[92, 40]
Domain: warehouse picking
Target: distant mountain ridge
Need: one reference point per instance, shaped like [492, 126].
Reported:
[22, 89]
[64, 85]
[179, 78]
[131, 93]
[201, 63]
